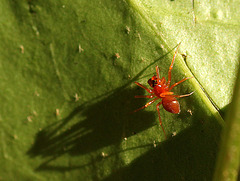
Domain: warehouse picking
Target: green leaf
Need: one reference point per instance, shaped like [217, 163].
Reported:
[228, 158]
[67, 88]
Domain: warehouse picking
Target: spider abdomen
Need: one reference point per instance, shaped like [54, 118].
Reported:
[171, 104]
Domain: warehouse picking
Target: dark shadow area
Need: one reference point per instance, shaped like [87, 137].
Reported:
[106, 123]
[190, 155]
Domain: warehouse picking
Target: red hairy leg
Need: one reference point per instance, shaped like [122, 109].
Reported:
[160, 121]
[146, 105]
[171, 66]
[158, 78]
[148, 96]
[140, 85]
[179, 82]
[185, 95]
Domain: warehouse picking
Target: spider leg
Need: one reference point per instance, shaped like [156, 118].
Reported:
[163, 80]
[179, 82]
[158, 78]
[148, 96]
[185, 95]
[160, 121]
[140, 85]
[171, 66]
[146, 105]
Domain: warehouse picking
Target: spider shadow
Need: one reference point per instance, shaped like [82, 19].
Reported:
[106, 123]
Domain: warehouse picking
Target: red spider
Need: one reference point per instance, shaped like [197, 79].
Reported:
[161, 89]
